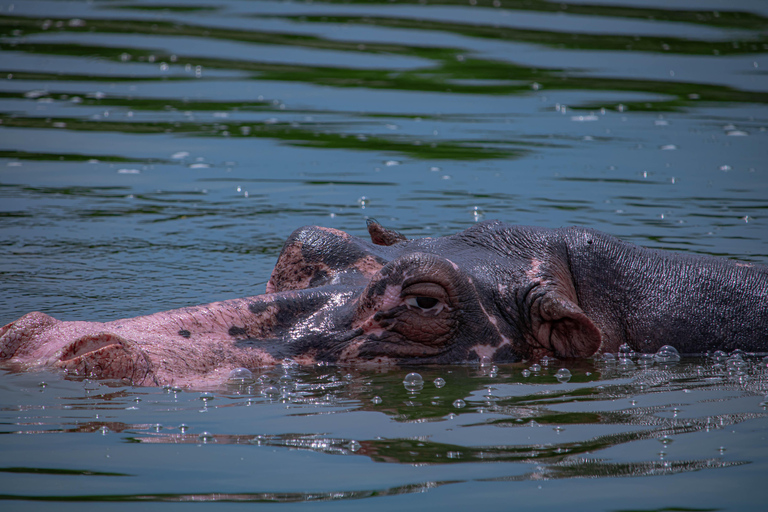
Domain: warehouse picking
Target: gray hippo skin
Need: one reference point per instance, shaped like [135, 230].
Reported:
[495, 290]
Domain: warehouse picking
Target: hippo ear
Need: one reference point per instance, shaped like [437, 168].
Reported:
[383, 236]
[561, 326]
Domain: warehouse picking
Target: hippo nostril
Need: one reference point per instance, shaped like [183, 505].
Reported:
[90, 344]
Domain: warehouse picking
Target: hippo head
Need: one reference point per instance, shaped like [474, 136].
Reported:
[493, 291]
[487, 292]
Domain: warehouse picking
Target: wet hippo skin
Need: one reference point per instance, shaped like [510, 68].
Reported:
[495, 290]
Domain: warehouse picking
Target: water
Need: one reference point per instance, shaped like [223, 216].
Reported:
[156, 154]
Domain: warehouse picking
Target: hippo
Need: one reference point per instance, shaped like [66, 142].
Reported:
[494, 292]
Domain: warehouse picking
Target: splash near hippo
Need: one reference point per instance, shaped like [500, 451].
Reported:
[496, 291]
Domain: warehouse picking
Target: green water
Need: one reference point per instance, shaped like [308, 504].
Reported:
[156, 154]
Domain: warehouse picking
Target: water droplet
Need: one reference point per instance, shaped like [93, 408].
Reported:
[270, 392]
[563, 375]
[183, 428]
[439, 382]
[240, 376]
[645, 359]
[535, 368]
[376, 400]
[626, 352]
[206, 437]
[667, 354]
[353, 446]
[286, 382]
[413, 382]
[582, 119]
[206, 397]
[459, 403]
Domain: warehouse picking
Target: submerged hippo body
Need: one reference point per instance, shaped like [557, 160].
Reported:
[498, 291]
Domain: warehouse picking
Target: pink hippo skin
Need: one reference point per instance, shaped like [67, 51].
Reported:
[494, 291]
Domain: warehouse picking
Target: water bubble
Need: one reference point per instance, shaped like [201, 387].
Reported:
[459, 403]
[546, 360]
[241, 376]
[183, 428]
[485, 362]
[206, 397]
[645, 359]
[353, 446]
[563, 375]
[413, 382]
[286, 382]
[206, 437]
[626, 352]
[737, 365]
[270, 392]
[376, 400]
[363, 201]
[667, 354]
[719, 356]
[535, 368]
[526, 373]
[439, 382]
[104, 430]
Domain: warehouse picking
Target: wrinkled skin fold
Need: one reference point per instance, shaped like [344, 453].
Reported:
[499, 291]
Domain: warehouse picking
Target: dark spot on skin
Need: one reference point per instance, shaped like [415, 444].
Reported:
[379, 288]
[258, 307]
[505, 354]
[185, 333]
[319, 278]
[236, 331]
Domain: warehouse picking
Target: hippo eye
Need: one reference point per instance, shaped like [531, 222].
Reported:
[425, 303]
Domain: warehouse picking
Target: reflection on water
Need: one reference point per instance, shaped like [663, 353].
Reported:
[156, 154]
[610, 419]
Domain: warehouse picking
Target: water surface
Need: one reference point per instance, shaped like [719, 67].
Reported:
[156, 154]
